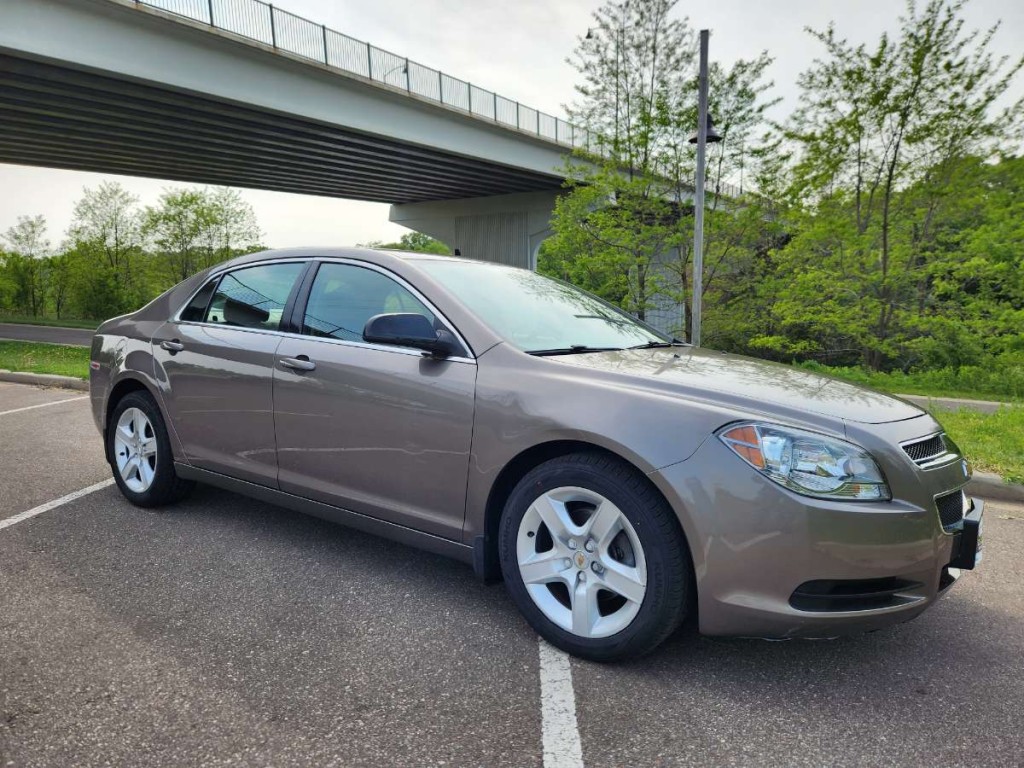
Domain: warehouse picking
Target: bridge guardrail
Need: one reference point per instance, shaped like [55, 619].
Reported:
[264, 23]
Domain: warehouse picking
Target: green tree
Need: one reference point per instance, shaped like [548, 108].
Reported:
[24, 265]
[413, 241]
[624, 227]
[882, 134]
[106, 257]
[234, 229]
[60, 278]
[195, 228]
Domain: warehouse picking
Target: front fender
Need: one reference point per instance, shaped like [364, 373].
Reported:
[520, 407]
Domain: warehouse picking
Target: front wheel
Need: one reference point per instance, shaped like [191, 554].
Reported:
[139, 453]
[594, 557]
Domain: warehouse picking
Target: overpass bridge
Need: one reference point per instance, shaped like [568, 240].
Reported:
[240, 93]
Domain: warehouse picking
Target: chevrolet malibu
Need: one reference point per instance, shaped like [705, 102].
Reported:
[617, 480]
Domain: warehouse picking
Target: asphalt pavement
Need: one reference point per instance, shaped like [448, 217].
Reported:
[78, 337]
[225, 631]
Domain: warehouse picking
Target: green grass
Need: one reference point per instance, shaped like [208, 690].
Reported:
[58, 359]
[994, 442]
[63, 322]
[971, 383]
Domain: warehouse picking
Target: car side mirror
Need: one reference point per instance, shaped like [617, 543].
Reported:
[408, 329]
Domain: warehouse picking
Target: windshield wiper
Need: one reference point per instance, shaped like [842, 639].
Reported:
[659, 344]
[575, 349]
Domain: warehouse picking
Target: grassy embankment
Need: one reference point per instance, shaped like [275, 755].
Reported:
[53, 322]
[970, 382]
[994, 442]
[44, 358]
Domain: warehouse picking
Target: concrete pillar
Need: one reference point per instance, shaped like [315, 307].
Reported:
[506, 229]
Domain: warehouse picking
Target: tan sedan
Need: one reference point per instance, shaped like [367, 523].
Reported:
[617, 480]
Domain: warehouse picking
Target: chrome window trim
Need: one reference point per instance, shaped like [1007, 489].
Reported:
[411, 351]
[216, 274]
[936, 461]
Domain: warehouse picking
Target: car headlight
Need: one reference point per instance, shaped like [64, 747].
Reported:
[808, 463]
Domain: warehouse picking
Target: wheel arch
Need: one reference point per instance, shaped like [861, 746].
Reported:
[124, 386]
[486, 562]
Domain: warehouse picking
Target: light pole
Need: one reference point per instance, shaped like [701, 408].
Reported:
[405, 71]
[705, 133]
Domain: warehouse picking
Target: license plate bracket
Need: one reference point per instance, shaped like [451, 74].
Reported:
[967, 548]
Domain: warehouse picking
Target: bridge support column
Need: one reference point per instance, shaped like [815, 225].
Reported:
[507, 229]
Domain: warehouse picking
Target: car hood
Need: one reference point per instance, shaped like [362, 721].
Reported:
[758, 385]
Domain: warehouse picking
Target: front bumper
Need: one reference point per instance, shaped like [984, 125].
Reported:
[771, 563]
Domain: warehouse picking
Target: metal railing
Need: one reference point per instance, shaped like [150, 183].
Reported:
[263, 23]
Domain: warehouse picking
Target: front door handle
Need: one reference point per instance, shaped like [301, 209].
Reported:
[300, 363]
[172, 346]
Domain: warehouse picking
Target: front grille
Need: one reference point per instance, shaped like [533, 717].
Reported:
[951, 509]
[924, 450]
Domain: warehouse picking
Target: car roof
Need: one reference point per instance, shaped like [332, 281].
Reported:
[379, 256]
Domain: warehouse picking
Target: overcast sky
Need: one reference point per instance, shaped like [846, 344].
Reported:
[517, 49]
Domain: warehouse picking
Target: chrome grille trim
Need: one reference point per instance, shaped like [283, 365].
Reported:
[931, 451]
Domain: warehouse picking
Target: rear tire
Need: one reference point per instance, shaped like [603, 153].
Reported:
[139, 453]
[594, 557]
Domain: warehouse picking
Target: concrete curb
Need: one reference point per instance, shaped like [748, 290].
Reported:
[991, 486]
[45, 380]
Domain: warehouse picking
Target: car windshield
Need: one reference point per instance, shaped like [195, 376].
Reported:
[536, 313]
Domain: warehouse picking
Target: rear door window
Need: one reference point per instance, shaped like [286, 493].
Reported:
[196, 309]
[254, 297]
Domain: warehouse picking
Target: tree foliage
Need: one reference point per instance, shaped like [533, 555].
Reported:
[24, 265]
[894, 150]
[880, 225]
[416, 242]
[624, 229]
[192, 229]
[118, 255]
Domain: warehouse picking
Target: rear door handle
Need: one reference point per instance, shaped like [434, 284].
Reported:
[172, 346]
[300, 363]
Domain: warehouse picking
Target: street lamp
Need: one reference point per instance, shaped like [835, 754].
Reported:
[705, 133]
[405, 71]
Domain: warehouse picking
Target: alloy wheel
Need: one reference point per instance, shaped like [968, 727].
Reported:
[135, 450]
[582, 562]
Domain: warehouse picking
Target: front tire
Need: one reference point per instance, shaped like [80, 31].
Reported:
[139, 453]
[594, 557]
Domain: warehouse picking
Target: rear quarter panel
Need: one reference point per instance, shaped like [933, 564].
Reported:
[122, 349]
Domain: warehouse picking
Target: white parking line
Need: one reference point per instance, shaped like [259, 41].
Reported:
[44, 405]
[8, 522]
[559, 731]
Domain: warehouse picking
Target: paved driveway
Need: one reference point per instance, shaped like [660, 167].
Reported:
[229, 632]
[78, 337]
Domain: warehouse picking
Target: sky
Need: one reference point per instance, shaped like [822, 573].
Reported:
[518, 50]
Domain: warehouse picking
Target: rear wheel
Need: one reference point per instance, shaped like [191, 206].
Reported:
[594, 557]
[139, 453]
